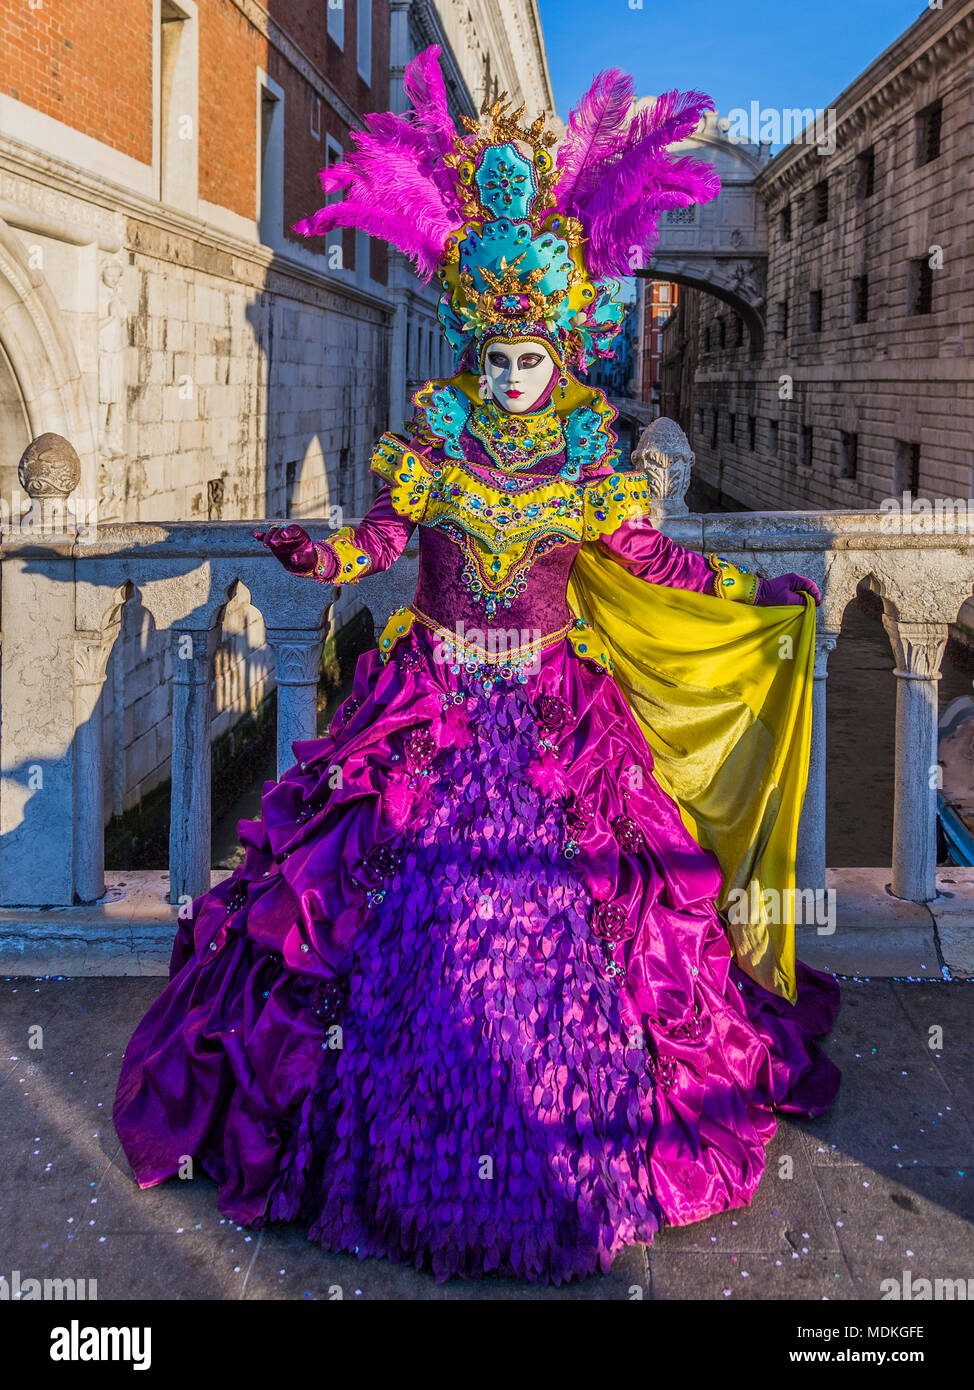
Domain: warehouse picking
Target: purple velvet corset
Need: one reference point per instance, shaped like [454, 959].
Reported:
[541, 605]
[442, 595]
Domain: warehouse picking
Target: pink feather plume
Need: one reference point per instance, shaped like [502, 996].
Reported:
[596, 134]
[617, 176]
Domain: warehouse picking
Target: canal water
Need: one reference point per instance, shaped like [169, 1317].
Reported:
[226, 850]
[861, 698]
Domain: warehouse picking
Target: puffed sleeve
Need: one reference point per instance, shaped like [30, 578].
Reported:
[616, 518]
[374, 544]
[650, 555]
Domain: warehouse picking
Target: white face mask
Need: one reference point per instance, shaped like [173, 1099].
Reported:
[518, 374]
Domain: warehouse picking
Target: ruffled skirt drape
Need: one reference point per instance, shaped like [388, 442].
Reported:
[468, 1003]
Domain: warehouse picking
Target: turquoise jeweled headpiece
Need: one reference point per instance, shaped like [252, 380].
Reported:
[514, 268]
[525, 246]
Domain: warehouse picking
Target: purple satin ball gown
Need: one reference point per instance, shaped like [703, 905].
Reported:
[468, 1003]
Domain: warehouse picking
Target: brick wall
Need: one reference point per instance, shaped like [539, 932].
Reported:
[230, 51]
[89, 64]
[85, 62]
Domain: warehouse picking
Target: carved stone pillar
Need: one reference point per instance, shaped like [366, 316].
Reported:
[919, 649]
[189, 826]
[91, 653]
[811, 860]
[38, 786]
[665, 454]
[297, 660]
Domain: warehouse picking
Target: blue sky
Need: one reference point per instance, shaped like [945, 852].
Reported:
[782, 53]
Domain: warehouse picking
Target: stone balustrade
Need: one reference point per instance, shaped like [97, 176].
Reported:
[64, 585]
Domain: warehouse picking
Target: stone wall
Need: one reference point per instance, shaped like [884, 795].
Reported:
[844, 410]
[244, 398]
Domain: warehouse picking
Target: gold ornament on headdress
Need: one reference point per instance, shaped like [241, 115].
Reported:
[504, 127]
[480, 309]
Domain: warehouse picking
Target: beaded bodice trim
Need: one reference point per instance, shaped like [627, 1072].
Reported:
[517, 441]
[492, 668]
[506, 514]
[503, 526]
[580, 424]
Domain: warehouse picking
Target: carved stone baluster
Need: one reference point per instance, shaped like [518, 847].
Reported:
[297, 659]
[189, 828]
[811, 862]
[91, 653]
[918, 648]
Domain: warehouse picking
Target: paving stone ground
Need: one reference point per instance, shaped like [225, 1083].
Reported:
[883, 1185]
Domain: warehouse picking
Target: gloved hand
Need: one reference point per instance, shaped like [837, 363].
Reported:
[291, 545]
[787, 588]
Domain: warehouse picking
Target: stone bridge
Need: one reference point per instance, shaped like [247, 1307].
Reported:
[720, 247]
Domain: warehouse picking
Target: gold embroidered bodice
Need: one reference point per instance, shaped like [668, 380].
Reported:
[507, 488]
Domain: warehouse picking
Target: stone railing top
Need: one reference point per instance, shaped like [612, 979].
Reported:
[821, 530]
[184, 573]
[922, 576]
[918, 556]
[163, 540]
[753, 531]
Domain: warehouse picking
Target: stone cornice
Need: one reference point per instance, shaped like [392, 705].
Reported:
[424, 18]
[539, 45]
[26, 162]
[915, 57]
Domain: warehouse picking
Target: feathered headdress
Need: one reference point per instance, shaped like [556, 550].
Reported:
[524, 244]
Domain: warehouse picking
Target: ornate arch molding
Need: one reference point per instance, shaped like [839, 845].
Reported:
[738, 283]
[37, 345]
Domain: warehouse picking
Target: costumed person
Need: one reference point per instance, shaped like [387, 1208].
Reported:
[500, 985]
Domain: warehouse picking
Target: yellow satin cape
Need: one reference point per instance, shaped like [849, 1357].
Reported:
[723, 693]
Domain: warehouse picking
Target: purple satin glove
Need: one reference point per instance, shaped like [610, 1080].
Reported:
[291, 545]
[786, 589]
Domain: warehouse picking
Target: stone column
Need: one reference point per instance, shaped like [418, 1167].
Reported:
[38, 787]
[91, 653]
[918, 648]
[811, 862]
[189, 826]
[297, 661]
